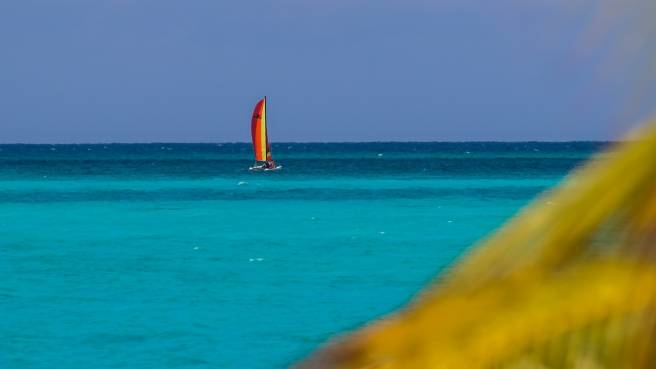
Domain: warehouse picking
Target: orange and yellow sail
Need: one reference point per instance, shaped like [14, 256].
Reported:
[259, 131]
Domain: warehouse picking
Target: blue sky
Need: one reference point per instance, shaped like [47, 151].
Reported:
[362, 70]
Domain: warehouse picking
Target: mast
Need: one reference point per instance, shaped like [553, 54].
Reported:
[268, 149]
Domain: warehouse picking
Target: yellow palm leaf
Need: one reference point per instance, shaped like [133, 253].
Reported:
[569, 283]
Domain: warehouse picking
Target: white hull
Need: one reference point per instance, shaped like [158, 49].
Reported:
[261, 168]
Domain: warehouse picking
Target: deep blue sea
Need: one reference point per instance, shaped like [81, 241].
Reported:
[176, 256]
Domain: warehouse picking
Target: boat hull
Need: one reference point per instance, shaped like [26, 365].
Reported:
[261, 168]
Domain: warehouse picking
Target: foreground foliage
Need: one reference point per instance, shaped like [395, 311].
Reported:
[569, 283]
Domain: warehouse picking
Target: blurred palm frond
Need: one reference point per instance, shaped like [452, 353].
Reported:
[569, 283]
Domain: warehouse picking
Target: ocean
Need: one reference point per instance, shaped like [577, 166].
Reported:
[176, 256]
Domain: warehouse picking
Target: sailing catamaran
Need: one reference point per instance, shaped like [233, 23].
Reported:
[263, 159]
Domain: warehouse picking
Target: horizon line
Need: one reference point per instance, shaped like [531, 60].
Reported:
[299, 142]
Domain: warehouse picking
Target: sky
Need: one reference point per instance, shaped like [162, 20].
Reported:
[84, 71]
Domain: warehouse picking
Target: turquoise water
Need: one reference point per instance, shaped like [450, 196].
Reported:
[175, 256]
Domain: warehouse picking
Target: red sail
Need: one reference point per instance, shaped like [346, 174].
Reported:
[259, 131]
